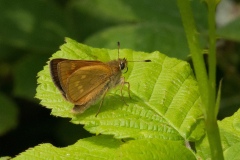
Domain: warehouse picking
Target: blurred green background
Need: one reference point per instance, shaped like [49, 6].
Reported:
[32, 30]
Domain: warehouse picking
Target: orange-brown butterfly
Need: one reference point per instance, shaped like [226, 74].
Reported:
[83, 82]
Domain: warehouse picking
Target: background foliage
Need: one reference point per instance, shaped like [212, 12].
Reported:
[31, 31]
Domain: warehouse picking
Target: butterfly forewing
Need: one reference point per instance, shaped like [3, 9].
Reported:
[68, 67]
[54, 73]
[86, 81]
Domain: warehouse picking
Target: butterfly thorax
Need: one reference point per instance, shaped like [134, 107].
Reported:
[117, 66]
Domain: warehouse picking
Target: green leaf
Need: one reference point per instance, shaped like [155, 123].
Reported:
[230, 31]
[133, 11]
[105, 147]
[5, 158]
[140, 25]
[154, 149]
[99, 147]
[25, 75]
[130, 11]
[32, 24]
[232, 153]
[8, 114]
[165, 101]
[147, 37]
[229, 132]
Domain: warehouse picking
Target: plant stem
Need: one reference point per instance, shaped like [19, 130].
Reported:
[211, 120]
[207, 87]
[195, 50]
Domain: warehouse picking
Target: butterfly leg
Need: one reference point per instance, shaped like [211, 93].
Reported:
[128, 89]
[104, 94]
[123, 82]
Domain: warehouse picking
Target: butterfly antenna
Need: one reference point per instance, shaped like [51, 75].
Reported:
[118, 43]
[148, 60]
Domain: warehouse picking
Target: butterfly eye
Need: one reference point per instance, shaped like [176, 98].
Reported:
[122, 65]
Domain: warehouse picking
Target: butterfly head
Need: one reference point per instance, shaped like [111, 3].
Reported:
[123, 64]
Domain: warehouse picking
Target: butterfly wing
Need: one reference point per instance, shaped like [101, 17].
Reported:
[54, 73]
[61, 69]
[88, 83]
